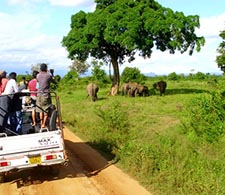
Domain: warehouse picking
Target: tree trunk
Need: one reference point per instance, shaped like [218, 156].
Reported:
[116, 77]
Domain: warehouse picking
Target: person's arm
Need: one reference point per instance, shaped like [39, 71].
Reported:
[15, 86]
[52, 75]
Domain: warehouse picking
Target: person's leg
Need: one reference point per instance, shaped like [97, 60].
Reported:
[39, 110]
[41, 115]
[45, 120]
[4, 111]
[19, 122]
[46, 105]
[33, 115]
[12, 121]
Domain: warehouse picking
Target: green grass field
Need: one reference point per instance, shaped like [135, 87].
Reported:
[172, 144]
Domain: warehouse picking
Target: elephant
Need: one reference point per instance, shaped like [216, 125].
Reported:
[138, 90]
[134, 89]
[92, 90]
[129, 89]
[125, 88]
[142, 90]
[161, 86]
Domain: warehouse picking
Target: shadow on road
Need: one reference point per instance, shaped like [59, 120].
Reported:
[84, 161]
[92, 161]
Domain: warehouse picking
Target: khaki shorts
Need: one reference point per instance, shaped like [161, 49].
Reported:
[33, 102]
[43, 103]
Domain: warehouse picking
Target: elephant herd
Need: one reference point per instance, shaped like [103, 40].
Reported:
[130, 89]
[134, 89]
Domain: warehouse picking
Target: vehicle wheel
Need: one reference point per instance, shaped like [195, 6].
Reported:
[54, 170]
[2, 178]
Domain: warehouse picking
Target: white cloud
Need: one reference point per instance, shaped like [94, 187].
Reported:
[71, 2]
[211, 27]
[203, 61]
[22, 2]
[24, 42]
[66, 3]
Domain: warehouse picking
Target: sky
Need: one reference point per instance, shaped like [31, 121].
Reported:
[31, 32]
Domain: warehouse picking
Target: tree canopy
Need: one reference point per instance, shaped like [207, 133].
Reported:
[121, 28]
[220, 59]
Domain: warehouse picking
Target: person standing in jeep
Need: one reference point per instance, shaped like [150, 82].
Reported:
[3, 81]
[43, 103]
[32, 86]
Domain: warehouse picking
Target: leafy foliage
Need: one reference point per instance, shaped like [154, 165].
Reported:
[173, 76]
[69, 80]
[114, 127]
[98, 74]
[132, 75]
[220, 59]
[55, 85]
[207, 117]
[199, 76]
[119, 29]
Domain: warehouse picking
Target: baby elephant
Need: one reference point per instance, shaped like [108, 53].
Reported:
[92, 90]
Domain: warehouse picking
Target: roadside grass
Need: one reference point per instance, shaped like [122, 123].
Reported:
[153, 138]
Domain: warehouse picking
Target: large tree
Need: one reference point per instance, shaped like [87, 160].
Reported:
[122, 28]
[220, 59]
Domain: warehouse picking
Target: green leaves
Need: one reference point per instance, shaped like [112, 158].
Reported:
[120, 28]
[220, 59]
[207, 117]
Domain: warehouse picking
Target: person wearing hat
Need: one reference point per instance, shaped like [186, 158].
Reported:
[3, 81]
[43, 102]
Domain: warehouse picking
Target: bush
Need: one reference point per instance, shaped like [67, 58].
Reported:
[132, 75]
[69, 81]
[100, 76]
[200, 76]
[173, 76]
[114, 129]
[206, 117]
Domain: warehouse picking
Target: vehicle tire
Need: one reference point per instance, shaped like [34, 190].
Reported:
[2, 178]
[52, 121]
[54, 170]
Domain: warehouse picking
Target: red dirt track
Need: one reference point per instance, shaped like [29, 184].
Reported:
[87, 173]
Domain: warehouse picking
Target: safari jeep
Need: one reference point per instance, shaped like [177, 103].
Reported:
[32, 146]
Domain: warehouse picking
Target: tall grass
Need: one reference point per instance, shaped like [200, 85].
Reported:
[172, 144]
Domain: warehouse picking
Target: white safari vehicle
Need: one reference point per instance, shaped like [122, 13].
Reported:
[32, 146]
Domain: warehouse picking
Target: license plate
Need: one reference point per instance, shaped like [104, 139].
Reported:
[35, 160]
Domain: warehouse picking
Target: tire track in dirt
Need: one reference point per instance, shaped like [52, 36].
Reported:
[87, 173]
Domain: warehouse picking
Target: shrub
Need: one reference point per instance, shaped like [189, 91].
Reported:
[132, 75]
[69, 80]
[206, 117]
[173, 76]
[200, 76]
[100, 75]
[114, 128]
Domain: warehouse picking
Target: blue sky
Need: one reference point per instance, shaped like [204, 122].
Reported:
[31, 32]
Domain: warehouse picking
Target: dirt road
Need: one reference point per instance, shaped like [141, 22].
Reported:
[87, 173]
